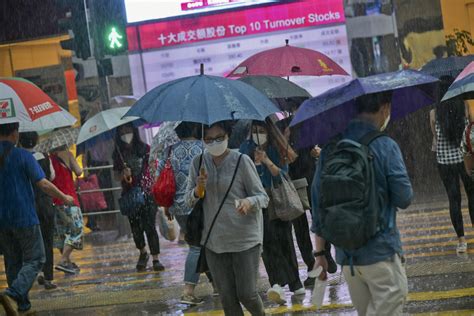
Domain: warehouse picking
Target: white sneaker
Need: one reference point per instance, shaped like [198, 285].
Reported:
[276, 294]
[462, 247]
[300, 291]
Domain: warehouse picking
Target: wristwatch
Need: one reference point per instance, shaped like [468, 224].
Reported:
[319, 253]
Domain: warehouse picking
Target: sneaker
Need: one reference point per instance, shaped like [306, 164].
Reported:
[9, 304]
[300, 291]
[462, 247]
[191, 300]
[49, 285]
[66, 268]
[142, 261]
[75, 266]
[40, 280]
[157, 266]
[276, 294]
[309, 282]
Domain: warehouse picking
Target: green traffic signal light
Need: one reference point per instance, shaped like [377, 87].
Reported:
[114, 39]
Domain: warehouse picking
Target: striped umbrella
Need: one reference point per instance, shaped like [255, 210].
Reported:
[23, 102]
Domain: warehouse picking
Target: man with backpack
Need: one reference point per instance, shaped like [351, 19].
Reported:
[20, 233]
[360, 182]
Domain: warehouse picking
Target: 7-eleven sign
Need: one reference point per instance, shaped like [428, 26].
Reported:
[6, 108]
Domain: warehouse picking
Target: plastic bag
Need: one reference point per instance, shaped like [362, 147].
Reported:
[93, 201]
[168, 229]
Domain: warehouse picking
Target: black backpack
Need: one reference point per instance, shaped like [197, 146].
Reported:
[349, 205]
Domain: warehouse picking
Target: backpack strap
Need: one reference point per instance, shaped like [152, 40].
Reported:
[368, 138]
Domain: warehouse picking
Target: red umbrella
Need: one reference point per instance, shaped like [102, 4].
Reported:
[23, 102]
[288, 61]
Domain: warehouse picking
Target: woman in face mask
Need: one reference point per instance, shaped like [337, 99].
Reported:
[131, 167]
[279, 254]
[234, 245]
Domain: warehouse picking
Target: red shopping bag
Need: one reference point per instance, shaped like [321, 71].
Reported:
[164, 189]
[93, 201]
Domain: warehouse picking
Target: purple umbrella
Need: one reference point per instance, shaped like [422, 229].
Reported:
[328, 114]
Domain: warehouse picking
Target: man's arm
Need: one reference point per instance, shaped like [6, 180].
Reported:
[51, 190]
[399, 185]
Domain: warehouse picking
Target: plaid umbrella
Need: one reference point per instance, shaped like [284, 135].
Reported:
[61, 137]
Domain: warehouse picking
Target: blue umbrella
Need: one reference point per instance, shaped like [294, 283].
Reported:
[448, 66]
[203, 99]
[328, 114]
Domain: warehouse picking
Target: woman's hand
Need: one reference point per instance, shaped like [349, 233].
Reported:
[243, 206]
[168, 214]
[127, 175]
[201, 182]
[260, 156]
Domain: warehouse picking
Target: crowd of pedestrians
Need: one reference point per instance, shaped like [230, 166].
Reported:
[233, 186]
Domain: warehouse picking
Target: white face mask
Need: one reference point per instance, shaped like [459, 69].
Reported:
[385, 124]
[259, 138]
[127, 138]
[217, 149]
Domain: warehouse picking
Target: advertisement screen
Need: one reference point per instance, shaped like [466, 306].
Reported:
[162, 51]
[143, 10]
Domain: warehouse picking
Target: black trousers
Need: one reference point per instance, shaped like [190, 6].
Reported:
[451, 176]
[47, 231]
[144, 224]
[303, 239]
[279, 256]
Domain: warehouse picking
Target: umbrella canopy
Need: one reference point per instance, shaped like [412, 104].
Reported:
[463, 86]
[449, 66]
[328, 114]
[275, 87]
[103, 122]
[23, 102]
[203, 99]
[61, 137]
[165, 137]
[288, 61]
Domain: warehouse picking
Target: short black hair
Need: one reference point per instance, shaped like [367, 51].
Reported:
[28, 139]
[371, 103]
[8, 129]
[225, 125]
[188, 129]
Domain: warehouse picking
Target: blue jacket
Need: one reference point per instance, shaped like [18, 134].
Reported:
[392, 181]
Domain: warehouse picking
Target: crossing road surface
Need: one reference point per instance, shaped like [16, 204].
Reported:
[440, 281]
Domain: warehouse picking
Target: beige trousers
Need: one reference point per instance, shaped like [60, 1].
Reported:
[378, 289]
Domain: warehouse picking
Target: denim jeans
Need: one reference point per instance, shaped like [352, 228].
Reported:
[235, 275]
[190, 275]
[24, 256]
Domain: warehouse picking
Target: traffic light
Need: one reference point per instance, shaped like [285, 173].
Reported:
[76, 22]
[110, 27]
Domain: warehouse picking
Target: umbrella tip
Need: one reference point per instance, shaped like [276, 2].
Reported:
[202, 69]
[287, 41]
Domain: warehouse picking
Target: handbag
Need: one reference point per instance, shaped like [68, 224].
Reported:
[164, 189]
[202, 265]
[131, 201]
[91, 201]
[301, 186]
[285, 203]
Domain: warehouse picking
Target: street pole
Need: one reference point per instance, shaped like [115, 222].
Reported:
[103, 82]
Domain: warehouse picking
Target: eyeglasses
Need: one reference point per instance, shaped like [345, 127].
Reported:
[217, 140]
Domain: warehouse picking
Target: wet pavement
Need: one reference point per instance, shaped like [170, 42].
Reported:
[440, 281]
